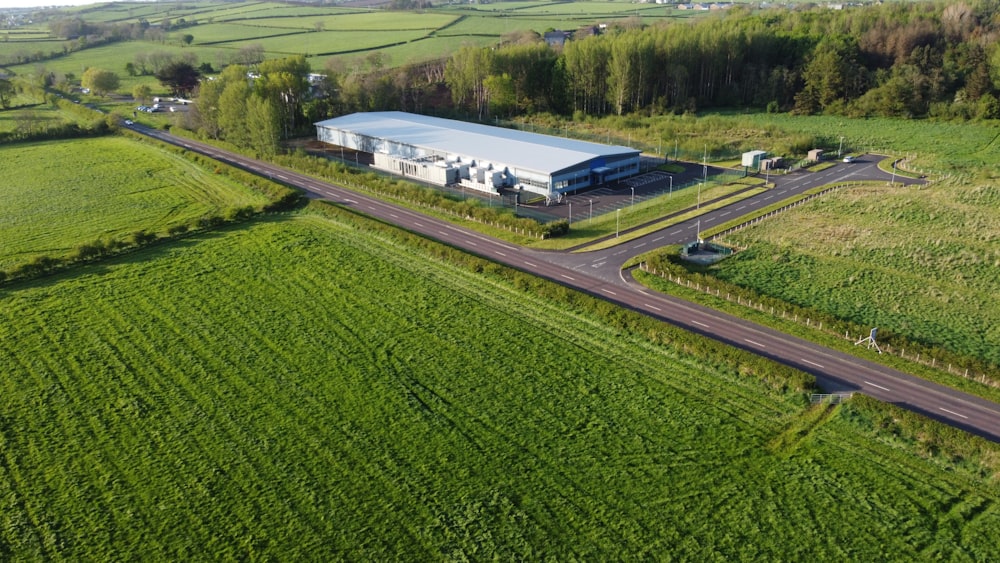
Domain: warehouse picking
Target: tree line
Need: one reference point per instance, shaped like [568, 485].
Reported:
[937, 59]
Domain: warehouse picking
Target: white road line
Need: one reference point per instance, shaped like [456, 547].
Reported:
[442, 233]
[657, 238]
[700, 324]
[567, 277]
[740, 207]
[350, 201]
[952, 412]
[877, 386]
[754, 343]
[394, 216]
[499, 253]
[653, 307]
[418, 224]
[811, 363]
[639, 245]
[724, 214]
[530, 265]
[608, 291]
[470, 243]
[282, 176]
[677, 231]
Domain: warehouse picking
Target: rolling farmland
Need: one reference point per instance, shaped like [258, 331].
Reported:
[105, 187]
[304, 388]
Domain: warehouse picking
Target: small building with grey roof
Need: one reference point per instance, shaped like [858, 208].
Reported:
[448, 152]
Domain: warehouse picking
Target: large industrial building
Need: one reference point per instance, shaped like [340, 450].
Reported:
[447, 152]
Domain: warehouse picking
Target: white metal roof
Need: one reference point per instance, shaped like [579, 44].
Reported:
[518, 149]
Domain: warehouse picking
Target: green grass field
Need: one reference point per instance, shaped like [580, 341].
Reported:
[921, 262]
[302, 388]
[60, 194]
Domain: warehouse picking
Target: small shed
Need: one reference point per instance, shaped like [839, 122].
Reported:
[752, 158]
[815, 155]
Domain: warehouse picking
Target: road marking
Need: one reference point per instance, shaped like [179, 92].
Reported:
[283, 177]
[598, 264]
[677, 231]
[811, 363]
[724, 214]
[700, 324]
[657, 238]
[639, 245]
[499, 253]
[754, 343]
[877, 386]
[567, 277]
[350, 201]
[952, 412]
[653, 307]
[472, 243]
[442, 233]
[418, 224]
[740, 207]
[530, 265]
[768, 197]
[394, 216]
[608, 291]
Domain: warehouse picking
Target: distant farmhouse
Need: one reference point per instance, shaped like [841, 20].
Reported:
[448, 152]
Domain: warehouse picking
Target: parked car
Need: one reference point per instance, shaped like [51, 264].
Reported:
[848, 159]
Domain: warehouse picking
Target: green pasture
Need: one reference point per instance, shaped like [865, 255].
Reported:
[304, 388]
[921, 262]
[329, 41]
[58, 195]
[221, 32]
[362, 21]
[262, 10]
[8, 49]
[34, 116]
[417, 50]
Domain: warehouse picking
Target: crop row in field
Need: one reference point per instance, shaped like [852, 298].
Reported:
[307, 389]
[60, 194]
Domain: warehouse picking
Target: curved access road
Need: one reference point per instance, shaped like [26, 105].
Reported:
[600, 274]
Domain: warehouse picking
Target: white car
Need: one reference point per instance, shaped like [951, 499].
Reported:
[128, 122]
[848, 159]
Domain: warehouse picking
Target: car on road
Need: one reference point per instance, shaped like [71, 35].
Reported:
[848, 159]
[128, 122]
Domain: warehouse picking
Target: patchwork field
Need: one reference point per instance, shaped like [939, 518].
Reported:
[303, 388]
[60, 194]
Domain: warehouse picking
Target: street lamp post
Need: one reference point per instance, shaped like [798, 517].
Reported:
[591, 220]
[571, 213]
[633, 195]
[841, 148]
[893, 182]
[617, 221]
[671, 192]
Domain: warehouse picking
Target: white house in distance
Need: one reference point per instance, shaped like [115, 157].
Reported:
[481, 157]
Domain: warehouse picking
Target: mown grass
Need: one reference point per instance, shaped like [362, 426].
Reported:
[306, 388]
[61, 194]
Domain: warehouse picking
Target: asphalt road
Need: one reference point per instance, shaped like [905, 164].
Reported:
[600, 274]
